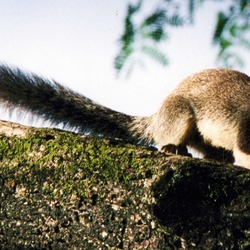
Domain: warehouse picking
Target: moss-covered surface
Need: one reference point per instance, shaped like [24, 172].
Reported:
[61, 190]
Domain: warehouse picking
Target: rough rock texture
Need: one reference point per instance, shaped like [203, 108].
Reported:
[61, 190]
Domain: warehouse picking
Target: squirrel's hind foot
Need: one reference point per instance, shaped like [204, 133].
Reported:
[175, 149]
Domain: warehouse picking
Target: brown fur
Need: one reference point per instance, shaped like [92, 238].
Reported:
[209, 111]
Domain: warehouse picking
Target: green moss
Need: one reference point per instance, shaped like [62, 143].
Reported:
[62, 144]
[68, 156]
[88, 193]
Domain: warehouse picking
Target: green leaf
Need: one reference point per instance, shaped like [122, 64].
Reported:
[157, 34]
[175, 20]
[222, 20]
[158, 18]
[243, 4]
[128, 38]
[121, 59]
[224, 43]
[155, 54]
[233, 30]
[132, 9]
[153, 26]
[191, 8]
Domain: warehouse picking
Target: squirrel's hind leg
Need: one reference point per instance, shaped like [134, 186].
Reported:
[208, 151]
[216, 153]
[173, 125]
[242, 148]
[175, 149]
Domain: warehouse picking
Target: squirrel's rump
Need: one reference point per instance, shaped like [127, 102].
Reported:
[209, 111]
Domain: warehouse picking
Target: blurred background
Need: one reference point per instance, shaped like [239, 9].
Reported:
[127, 55]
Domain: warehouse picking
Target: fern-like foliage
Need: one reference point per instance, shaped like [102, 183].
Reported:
[128, 37]
[141, 38]
[145, 35]
[233, 32]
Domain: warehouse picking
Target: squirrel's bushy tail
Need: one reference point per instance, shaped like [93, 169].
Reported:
[60, 105]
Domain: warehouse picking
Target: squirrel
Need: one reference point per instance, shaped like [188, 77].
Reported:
[209, 111]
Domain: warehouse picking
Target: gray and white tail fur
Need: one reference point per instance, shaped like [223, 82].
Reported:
[209, 111]
[60, 105]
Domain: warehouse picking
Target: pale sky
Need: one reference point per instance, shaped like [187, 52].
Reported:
[75, 42]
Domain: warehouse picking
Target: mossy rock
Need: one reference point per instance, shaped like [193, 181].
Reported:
[61, 190]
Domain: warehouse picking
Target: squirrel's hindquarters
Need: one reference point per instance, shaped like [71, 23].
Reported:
[172, 124]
